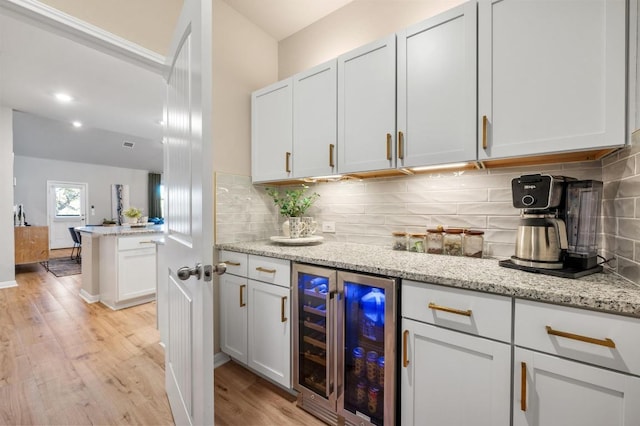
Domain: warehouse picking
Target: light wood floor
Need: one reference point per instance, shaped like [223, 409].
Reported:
[66, 362]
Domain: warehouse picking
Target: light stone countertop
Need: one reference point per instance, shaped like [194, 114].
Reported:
[603, 292]
[119, 231]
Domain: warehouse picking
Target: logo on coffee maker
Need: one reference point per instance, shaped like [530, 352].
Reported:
[529, 187]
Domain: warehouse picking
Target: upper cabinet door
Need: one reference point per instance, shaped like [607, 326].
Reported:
[367, 107]
[551, 76]
[437, 89]
[315, 121]
[272, 132]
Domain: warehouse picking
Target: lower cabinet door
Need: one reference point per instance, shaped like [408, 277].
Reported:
[136, 273]
[551, 391]
[451, 378]
[233, 316]
[270, 331]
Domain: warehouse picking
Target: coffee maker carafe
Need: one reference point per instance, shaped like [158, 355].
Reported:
[557, 232]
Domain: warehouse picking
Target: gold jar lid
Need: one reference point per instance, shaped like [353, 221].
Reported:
[454, 231]
[417, 235]
[473, 232]
[399, 234]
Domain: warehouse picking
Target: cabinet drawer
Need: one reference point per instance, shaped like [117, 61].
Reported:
[597, 338]
[138, 241]
[486, 315]
[237, 263]
[270, 270]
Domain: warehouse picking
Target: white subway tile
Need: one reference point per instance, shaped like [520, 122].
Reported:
[503, 222]
[475, 222]
[500, 194]
[386, 186]
[493, 209]
[431, 209]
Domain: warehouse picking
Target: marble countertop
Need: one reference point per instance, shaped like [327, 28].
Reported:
[121, 230]
[603, 291]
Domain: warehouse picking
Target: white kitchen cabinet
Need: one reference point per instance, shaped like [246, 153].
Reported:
[437, 89]
[233, 317]
[270, 331]
[315, 121]
[551, 76]
[552, 391]
[127, 270]
[452, 370]
[272, 132]
[367, 107]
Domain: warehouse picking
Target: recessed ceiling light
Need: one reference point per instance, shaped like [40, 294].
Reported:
[63, 97]
[77, 124]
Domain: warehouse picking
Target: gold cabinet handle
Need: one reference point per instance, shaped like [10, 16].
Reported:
[485, 123]
[242, 304]
[283, 302]
[331, 161]
[230, 262]
[405, 354]
[466, 313]
[602, 342]
[523, 386]
[287, 159]
[268, 271]
[389, 146]
[401, 145]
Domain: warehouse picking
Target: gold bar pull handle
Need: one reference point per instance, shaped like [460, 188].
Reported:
[231, 262]
[523, 386]
[283, 302]
[602, 342]
[435, 307]
[268, 271]
[401, 145]
[287, 158]
[332, 147]
[242, 304]
[485, 123]
[405, 354]
[389, 146]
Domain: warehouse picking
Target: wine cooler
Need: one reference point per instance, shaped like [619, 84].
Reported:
[344, 341]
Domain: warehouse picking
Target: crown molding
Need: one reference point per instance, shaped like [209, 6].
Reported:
[47, 17]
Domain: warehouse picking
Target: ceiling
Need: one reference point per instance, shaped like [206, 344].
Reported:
[115, 100]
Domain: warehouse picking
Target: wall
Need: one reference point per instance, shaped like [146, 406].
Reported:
[7, 256]
[32, 175]
[148, 23]
[352, 26]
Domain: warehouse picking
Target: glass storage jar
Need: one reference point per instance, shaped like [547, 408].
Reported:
[399, 240]
[473, 243]
[434, 241]
[452, 242]
[416, 242]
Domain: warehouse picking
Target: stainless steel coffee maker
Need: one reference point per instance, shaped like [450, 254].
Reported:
[557, 233]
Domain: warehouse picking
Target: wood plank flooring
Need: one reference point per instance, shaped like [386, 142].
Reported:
[66, 362]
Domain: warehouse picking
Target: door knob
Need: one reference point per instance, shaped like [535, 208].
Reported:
[185, 272]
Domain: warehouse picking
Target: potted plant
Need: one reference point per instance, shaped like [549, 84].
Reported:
[132, 214]
[292, 203]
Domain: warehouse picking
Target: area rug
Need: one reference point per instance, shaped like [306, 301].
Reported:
[64, 266]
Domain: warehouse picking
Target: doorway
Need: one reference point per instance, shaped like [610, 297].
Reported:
[66, 208]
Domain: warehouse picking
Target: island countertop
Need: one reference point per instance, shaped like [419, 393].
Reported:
[121, 230]
[603, 291]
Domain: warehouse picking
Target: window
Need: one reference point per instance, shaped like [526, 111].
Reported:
[68, 202]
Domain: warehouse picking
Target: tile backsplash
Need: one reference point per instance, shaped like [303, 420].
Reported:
[367, 211]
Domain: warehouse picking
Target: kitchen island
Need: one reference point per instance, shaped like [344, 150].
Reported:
[119, 264]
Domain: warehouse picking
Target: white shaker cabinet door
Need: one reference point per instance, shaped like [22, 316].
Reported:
[367, 107]
[451, 378]
[551, 391]
[551, 76]
[437, 89]
[272, 132]
[233, 316]
[315, 117]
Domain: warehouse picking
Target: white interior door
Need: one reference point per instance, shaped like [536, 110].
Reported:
[66, 208]
[189, 240]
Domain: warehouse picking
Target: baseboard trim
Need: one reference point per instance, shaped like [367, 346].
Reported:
[220, 359]
[89, 298]
[8, 284]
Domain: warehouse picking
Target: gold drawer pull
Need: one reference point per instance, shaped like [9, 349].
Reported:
[242, 304]
[268, 271]
[485, 123]
[523, 386]
[389, 146]
[283, 302]
[331, 161]
[466, 313]
[401, 145]
[230, 262]
[146, 242]
[602, 342]
[287, 167]
[405, 355]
